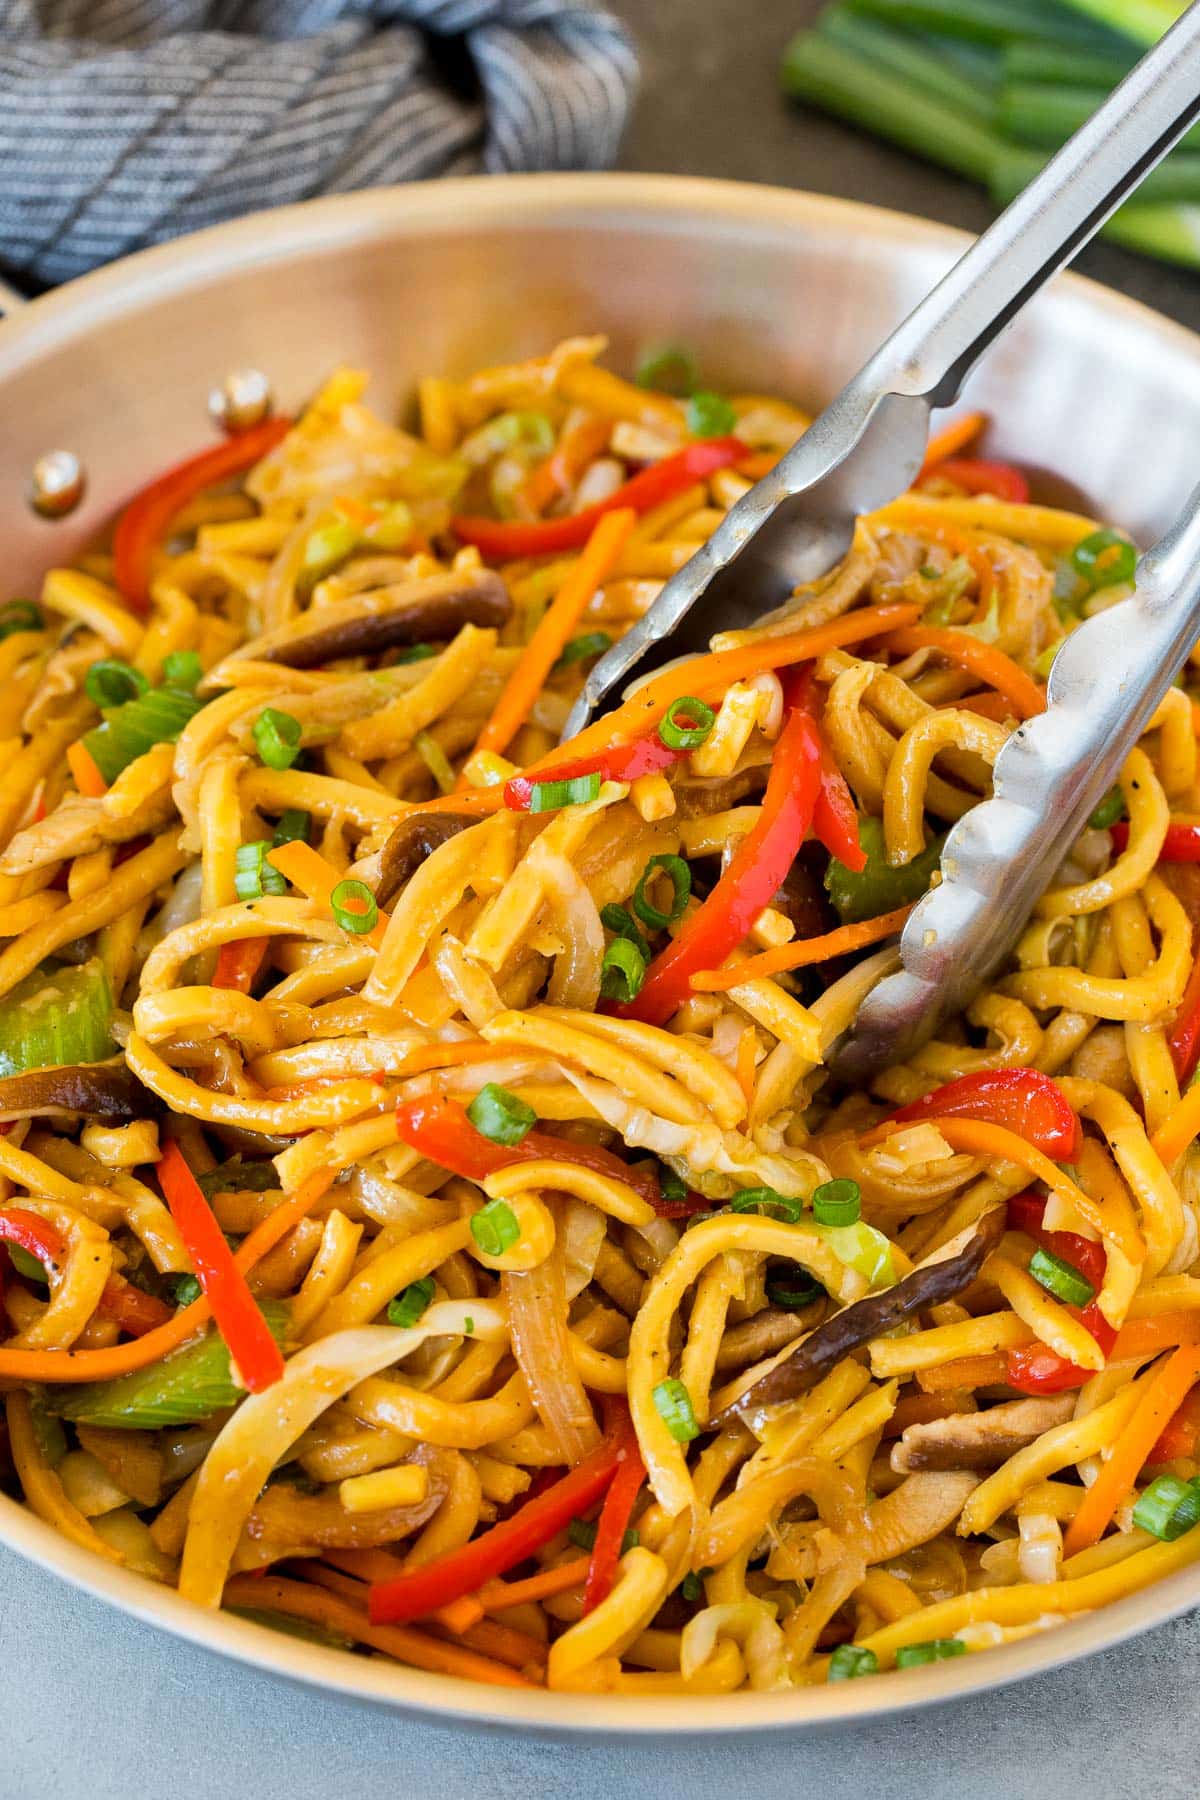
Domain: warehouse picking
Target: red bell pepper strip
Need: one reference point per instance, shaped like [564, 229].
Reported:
[134, 1311]
[1183, 1040]
[616, 1511]
[835, 818]
[1035, 1368]
[1181, 844]
[980, 477]
[145, 521]
[439, 1129]
[239, 962]
[623, 762]
[1022, 1100]
[749, 884]
[502, 540]
[253, 1349]
[1180, 1433]
[421, 1591]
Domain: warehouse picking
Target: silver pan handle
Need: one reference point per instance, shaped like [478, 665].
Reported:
[941, 341]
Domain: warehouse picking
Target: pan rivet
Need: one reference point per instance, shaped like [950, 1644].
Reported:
[57, 484]
[243, 399]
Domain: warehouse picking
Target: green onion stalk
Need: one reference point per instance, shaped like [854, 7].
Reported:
[990, 88]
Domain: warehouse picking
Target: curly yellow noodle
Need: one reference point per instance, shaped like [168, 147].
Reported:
[1148, 819]
[904, 785]
[1143, 997]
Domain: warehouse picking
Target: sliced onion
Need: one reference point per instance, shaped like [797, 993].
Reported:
[537, 1311]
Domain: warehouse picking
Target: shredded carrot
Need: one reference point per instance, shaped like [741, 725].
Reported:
[560, 619]
[700, 676]
[1178, 1128]
[977, 1137]
[990, 1370]
[306, 869]
[982, 660]
[88, 778]
[122, 1359]
[1164, 1331]
[988, 706]
[566, 463]
[519, 1649]
[458, 1615]
[271, 1594]
[1161, 1397]
[798, 956]
[498, 1596]
[446, 1056]
[238, 963]
[952, 438]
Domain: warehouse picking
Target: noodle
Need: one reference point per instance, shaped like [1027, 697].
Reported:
[345, 933]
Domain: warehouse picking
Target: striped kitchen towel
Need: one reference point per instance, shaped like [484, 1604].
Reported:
[125, 122]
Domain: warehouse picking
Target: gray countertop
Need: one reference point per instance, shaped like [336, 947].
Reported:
[96, 1707]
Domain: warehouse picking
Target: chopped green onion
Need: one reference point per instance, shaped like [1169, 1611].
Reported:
[185, 1289]
[182, 1389]
[759, 1198]
[293, 828]
[671, 1184]
[686, 723]
[25, 1263]
[681, 888]
[409, 1306]
[692, 1585]
[112, 682]
[936, 1650]
[547, 796]
[582, 1533]
[1168, 1508]
[710, 415]
[927, 572]
[837, 1202]
[673, 1404]
[254, 876]
[592, 643]
[182, 669]
[794, 1289]
[670, 369]
[623, 971]
[849, 1661]
[1092, 560]
[1110, 809]
[468, 1326]
[418, 653]
[128, 731]
[353, 906]
[494, 1228]
[621, 921]
[20, 615]
[1062, 1279]
[501, 1116]
[55, 1017]
[277, 738]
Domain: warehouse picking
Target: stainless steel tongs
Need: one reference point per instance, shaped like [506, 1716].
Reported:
[864, 450]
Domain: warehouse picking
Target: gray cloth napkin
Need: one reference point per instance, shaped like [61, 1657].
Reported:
[126, 122]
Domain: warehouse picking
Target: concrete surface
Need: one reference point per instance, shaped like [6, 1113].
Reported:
[96, 1707]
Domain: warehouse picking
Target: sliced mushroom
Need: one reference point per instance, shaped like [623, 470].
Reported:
[695, 799]
[429, 609]
[855, 1325]
[105, 1091]
[414, 840]
[802, 899]
[979, 1440]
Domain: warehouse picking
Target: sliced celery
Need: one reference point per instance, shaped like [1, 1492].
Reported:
[56, 1017]
[1144, 21]
[183, 1389]
[1008, 21]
